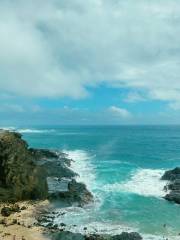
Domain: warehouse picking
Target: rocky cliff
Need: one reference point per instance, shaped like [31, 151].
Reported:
[20, 177]
[27, 173]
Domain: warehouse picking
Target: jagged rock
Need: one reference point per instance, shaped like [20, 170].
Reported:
[173, 196]
[173, 176]
[77, 192]
[20, 177]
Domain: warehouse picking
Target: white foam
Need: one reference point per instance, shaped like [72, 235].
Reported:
[144, 182]
[101, 227]
[81, 164]
[27, 130]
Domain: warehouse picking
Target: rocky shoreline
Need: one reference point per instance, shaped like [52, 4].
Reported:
[173, 186]
[31, 180]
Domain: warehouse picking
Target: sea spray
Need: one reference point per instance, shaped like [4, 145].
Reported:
[146, 182]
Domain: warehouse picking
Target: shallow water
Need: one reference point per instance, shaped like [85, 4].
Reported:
[122, 166]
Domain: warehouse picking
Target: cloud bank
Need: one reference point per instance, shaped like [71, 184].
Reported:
[61, 48]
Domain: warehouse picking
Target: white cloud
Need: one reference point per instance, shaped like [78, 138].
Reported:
[70, 45]
[119, 112]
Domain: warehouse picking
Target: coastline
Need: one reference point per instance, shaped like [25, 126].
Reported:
[63, 188]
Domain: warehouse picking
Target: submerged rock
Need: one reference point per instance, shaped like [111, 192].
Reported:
[20, 176]
[173, 186]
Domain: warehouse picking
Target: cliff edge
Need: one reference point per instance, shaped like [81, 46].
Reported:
[20, 177]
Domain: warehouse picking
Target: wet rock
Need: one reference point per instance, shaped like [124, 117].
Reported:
[173, 196]
[62, 224]
[65, 235]
[173, 176]
[77, 192]
[127, 236]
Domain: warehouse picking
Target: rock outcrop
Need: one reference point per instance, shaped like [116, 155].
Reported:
[75, 193]
[173, 186]
[27, 173]
[20, 176]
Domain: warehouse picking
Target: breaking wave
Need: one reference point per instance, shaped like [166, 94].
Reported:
[144, 182]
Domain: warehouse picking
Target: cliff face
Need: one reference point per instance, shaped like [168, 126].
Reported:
[20, 177]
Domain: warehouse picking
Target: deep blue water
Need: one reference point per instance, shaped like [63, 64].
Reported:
[122, 166]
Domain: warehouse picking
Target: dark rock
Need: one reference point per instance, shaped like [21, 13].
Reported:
[23, 208]
[62, 224]
[127, 236]
[97, 237]
[6, 211]
[14, 221]
[172, 174]
[65, 235]
[77, 192]
[20, 176]
[173, 196]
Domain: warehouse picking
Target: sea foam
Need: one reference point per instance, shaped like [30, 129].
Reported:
[144, 182]
[27, 130]
[82, 165]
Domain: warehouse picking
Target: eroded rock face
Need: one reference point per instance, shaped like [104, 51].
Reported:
[20, 177]
[173, 176]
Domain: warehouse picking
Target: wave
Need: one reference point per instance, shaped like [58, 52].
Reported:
[144, 182]
[77, 221]
[27, 130]
[82, 165]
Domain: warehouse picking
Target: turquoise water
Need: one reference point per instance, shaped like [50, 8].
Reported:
[122, 166]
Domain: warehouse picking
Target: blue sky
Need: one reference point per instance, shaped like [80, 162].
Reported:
[89, 62]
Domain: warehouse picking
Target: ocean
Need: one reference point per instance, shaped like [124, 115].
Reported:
[122, 167]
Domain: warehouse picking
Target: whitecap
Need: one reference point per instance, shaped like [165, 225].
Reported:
[146, 182]
[27, 130]
[82, 165]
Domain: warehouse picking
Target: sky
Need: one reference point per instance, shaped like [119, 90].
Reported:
[89, 62]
